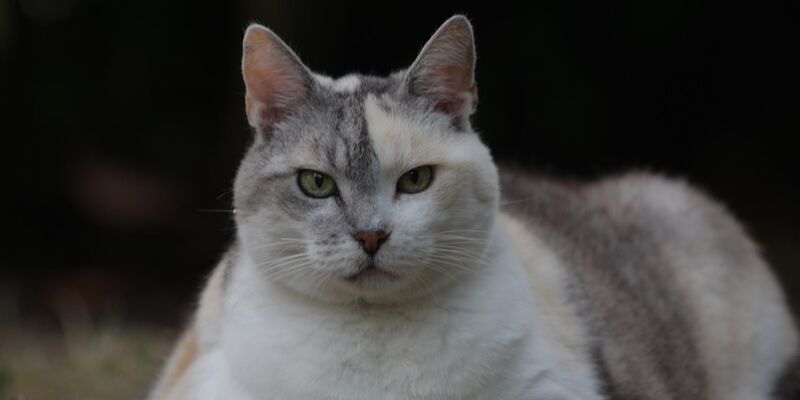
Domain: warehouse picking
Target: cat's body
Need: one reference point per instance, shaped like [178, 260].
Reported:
[675, 296]
[635, 287]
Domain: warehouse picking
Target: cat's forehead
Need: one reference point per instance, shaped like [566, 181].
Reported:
[333, 122]
[356, 125]
[330, 132]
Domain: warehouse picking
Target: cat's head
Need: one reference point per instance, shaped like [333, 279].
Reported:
[364, 188]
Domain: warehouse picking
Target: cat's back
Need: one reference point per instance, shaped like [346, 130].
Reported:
[676, 301]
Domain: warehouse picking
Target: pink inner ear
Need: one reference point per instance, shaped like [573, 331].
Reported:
[444, 70]
[275, 80]
[448, 80]
[260, 115]
[450, 87]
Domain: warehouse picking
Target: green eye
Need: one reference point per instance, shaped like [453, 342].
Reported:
[415, 180]
[316, 184]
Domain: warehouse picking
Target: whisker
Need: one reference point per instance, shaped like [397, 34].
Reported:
[321, 279]
[454, 236]
[440, 270]
[214, 210]
[466, 247]
[461, 230]
[281, 243]
[455, 263]
[267, 265]
[459, 252]
[279, 263]
[461, 262]
[223, 194]
[299, 271]
[427, 288]
[289, 270]
[461, 243]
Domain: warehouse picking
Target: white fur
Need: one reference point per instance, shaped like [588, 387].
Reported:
[480, 339]
[345, 84]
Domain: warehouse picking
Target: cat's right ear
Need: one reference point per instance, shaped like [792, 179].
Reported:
[444, 71]
[276, 80]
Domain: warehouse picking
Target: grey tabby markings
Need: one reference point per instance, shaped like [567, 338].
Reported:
[642, 328]
[332, 123]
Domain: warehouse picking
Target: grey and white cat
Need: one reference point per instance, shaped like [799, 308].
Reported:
[374, 260]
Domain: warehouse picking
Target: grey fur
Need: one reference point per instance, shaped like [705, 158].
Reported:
[621, 281]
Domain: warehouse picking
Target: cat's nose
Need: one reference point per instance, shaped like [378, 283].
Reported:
[371, 241]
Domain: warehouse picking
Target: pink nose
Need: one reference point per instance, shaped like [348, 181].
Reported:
[371, 241]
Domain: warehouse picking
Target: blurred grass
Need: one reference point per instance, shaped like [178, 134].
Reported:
[112, 361]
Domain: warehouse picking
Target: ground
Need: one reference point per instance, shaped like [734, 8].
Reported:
[110, 361]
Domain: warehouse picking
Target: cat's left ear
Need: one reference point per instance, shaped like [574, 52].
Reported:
[444, 71]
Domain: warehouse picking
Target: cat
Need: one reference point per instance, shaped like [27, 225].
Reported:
[374, 259]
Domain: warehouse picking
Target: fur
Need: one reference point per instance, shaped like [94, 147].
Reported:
[632, 287]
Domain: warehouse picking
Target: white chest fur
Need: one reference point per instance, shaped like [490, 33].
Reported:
[478, 340]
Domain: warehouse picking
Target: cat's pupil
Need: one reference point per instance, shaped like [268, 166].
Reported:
[319, 180]
[413, 176]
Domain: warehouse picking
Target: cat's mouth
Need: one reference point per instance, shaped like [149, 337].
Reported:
[372, 272]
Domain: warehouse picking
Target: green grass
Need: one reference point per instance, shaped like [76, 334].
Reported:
[110, 362]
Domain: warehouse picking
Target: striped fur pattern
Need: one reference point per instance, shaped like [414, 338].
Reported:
[632, 287]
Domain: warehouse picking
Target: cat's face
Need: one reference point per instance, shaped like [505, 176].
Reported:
[364, 188]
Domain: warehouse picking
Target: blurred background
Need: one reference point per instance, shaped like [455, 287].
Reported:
[122, 125]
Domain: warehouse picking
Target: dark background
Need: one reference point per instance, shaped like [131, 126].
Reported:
[122, 124]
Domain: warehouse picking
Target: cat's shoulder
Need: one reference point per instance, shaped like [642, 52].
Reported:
[667, 205]
[200, 336]
[650, 191]
[659, 199]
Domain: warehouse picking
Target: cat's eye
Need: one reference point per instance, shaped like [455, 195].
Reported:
[415, 180]
[316, 184]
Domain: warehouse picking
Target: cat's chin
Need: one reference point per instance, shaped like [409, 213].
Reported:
[372, 273]
[374, 284]
[372, 276]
